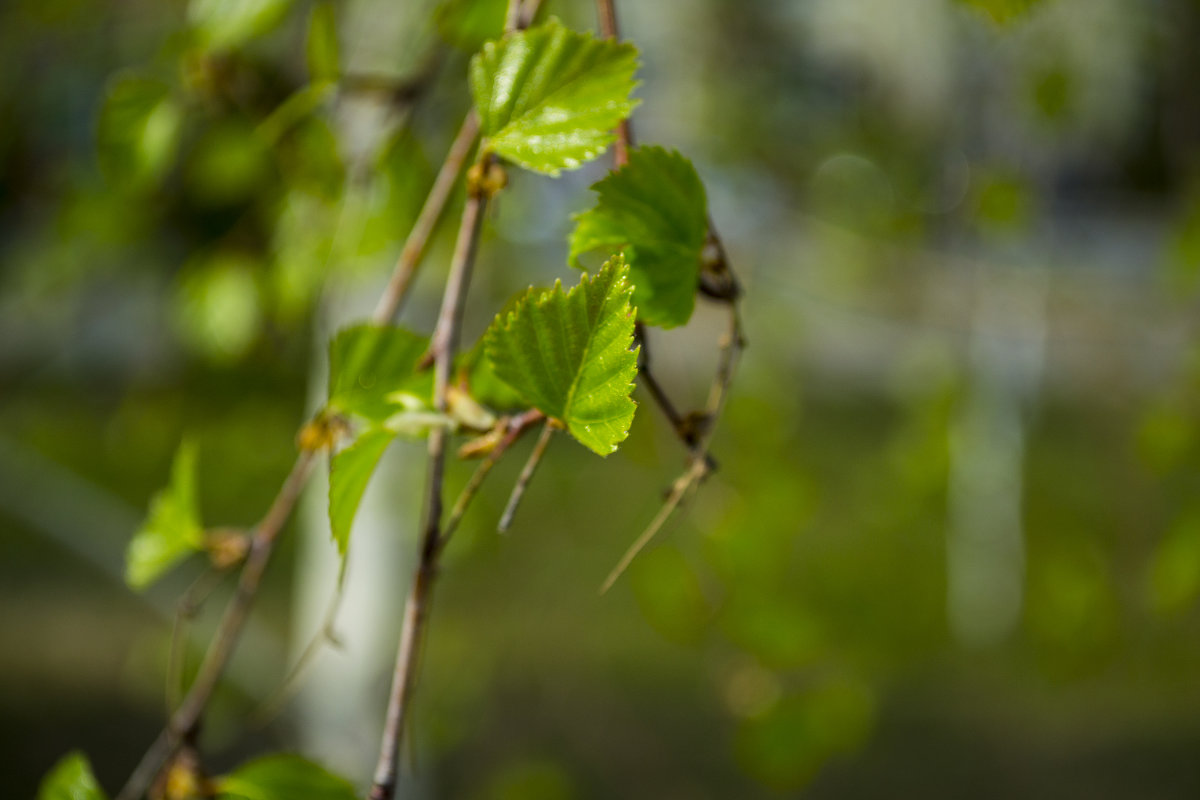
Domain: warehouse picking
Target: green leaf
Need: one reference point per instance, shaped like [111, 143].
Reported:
[568, 354]
[548, 98]
[322, 45]
[71, 779]
[227, 24]
[654, 209]
[372, 371]
[284, 777]
[172, 530]
[137, 134]
[1002, 11]
[349, 473]
[483, 384]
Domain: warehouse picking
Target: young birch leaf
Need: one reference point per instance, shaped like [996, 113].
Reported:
[654, 209]
[349, 473]
[568, 354]
[172, 530]
[372, 369]
[283, 777]
[71, 779]
[548, 98]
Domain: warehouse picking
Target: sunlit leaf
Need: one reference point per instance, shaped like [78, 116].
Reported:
[568, 354]
[548, 98]
[226, 24]
[372, 371]
[138, 130]
[71, 779]
[349, 473]
[283, 777]
[172, 531]
[322, 44]
[654, 210]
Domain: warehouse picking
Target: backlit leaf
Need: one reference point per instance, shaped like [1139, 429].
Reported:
[654, 210]
[568, 354]
[172, 531]
[548, 98]
[373, 371]
[349, 473]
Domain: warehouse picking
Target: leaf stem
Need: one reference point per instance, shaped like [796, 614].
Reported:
[516, 426]
[518, 492]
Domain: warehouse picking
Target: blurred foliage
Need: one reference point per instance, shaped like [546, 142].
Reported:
[190, 191]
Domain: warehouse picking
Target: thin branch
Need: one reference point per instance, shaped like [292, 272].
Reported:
[185, 722]
[518, 492]
[326, 634]
[189, 605]
[418, 238]
[515, 427]
[607, 12]
[443, 345]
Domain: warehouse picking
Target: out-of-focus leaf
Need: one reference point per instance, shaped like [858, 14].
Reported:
[1173, 578]
[1003, 11]
[467, 24]
[172, 531]
[284, 777]
[530, 780]
[138, 131]
[322, 44]
[218, 308]
[568, 354]
[669, 594]
[227, 24]
[372, 371]
[786, 746]
[71, 779]
[548, 98]
[229, 165]
[654, 210]
[349, 473]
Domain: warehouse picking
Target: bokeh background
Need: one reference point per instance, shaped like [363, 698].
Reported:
[953, 548]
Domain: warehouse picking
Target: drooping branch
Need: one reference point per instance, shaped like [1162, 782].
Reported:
[185, 722]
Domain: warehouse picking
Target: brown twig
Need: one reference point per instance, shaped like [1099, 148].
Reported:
[185, 722]
[189, 605]
[431, 212]
[607, 12]
[443, 345]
